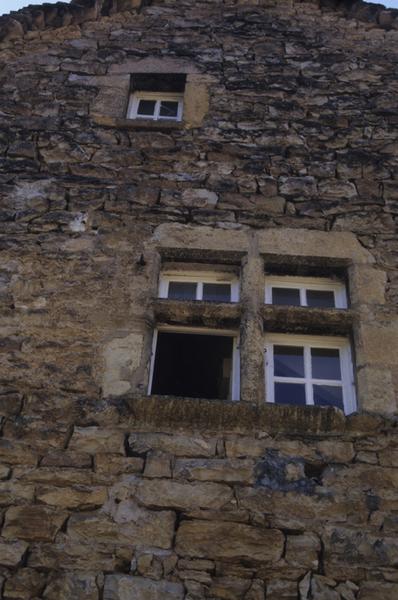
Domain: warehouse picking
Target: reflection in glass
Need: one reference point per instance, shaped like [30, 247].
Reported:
[290, 393]
[217, 292]
[181, 290]
[325, 363]
[328, 395]
[286, 296]
[146, 108]
[168, 109]
[320, 298]
[288, 361]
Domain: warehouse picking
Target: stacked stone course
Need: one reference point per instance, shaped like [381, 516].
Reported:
[107, 494]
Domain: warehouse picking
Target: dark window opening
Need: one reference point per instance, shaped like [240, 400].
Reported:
[193, 365]
[158, 82]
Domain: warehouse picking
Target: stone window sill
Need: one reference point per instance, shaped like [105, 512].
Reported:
[298, 319]
[140, 124]
[197, 312]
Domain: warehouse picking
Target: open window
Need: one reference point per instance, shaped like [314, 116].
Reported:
[207, 286]
[310, 370]
[157, 97]
[314, 292]
[196, 363]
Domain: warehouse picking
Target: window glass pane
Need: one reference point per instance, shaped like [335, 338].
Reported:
[146, 108]
[288, 361]
[168, 109]
[290, 393]
[320, 298]
[181, 290]
[287, 296]
[328, 395]
[325, 363]
[219, 292]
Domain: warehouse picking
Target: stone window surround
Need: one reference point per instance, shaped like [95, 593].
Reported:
[110, 106]
[255, 250]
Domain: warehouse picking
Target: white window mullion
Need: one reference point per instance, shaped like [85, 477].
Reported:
[303, 297]
[309, 392]
[199, 290]
[269, 373]
[157, 110]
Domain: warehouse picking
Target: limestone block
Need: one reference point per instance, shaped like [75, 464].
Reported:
[124, 587]
[95, 440]
[240, 447]
[65, 458]
[280, 589]
[376, 391]
[229, 541]
[113, 465]
[157, 464]
[72, 497]
[15, 492]
[200, 198]
[196, 102]
[11, 552]
[226, 470]
[297, 186]
[177, 444]
[336, 451]
[122, 356]
[33, 523]
[375, 590]
[79, 557]
[123, 524]
[354, 547]
[302, 550]
[24, 584]
[367, 285]
[182, 496]
[79, 586]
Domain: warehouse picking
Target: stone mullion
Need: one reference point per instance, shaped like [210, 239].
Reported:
[251, 336]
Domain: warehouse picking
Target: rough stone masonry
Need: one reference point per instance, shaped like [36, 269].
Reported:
[287, 155]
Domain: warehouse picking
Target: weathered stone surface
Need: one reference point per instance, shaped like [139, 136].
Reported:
[11, 552]
[238, 471]
[24, 584]
[95, 440]
[180, 445]
[79, 586]
[123, 587]
[69, 497]
[33, 523]
[173, 494]
[229, 541]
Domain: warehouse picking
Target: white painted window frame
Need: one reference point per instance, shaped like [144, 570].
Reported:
[199, 278]
[308, 342]
[136, 97]
[303, 284]
[235, 377]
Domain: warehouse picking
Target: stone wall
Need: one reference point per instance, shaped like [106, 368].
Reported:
[289, 155]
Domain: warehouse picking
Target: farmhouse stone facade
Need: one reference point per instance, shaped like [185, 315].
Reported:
[285, 161]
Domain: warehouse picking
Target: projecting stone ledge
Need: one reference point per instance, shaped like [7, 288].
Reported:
[170, 412]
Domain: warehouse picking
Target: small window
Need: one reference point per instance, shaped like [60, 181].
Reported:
[309, 370]
[300, 291]
[207, 286]
[157, 97]
[155, 106]
[195, 363]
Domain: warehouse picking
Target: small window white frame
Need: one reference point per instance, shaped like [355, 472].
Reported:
[307, 342]
[303, 284]
[158, 97]
[199, 278]
[234, 392]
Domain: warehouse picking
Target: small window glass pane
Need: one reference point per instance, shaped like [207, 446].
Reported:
[146, 108]
[168, 109]
[217, 292]
[325, 363]
[286, 296]
[181, 290]
[320, 298]
[288, 361]
[290, 393]
[328, 395]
